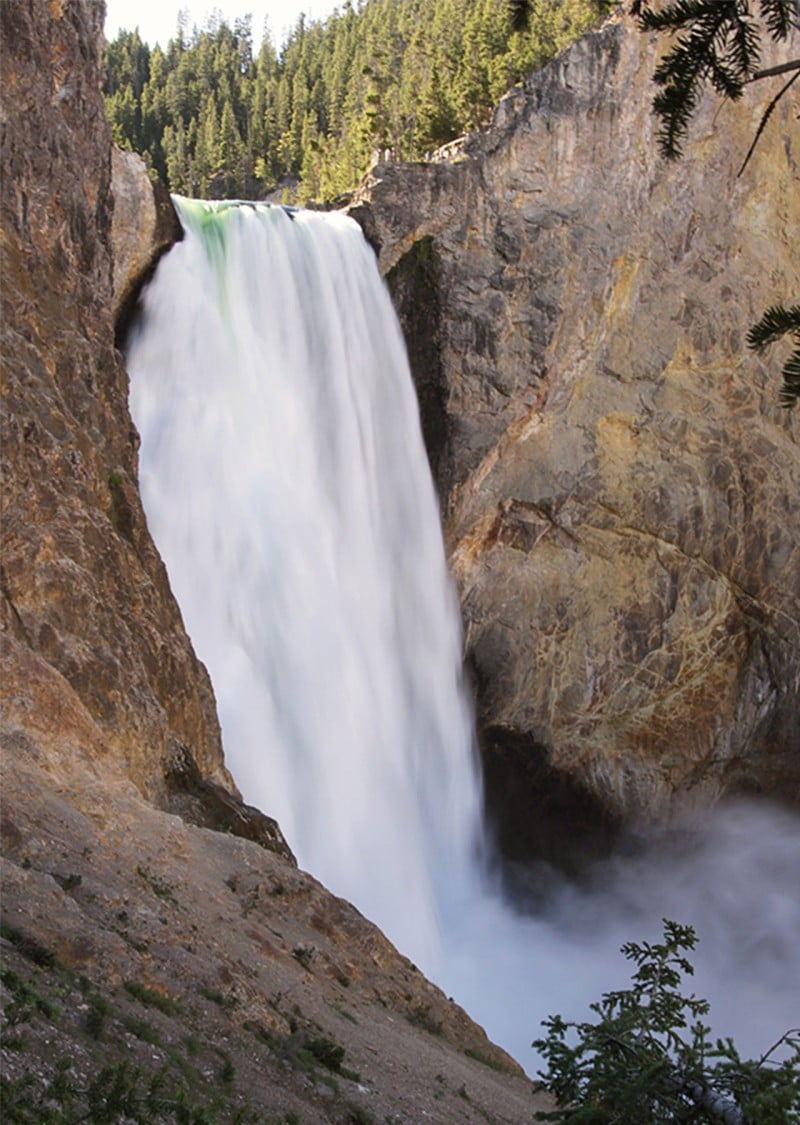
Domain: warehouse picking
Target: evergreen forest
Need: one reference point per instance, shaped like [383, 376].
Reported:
[219, 115]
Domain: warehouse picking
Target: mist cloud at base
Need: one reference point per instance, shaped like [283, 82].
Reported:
[733, 873]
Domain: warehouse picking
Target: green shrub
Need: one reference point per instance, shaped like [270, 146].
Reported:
[160, 887]
[25, 999]
[97, 1014]
[29, 948]
[484, 1060]
[304, 954]
[421, 1017]
[327, 1052]
[648, 1058]
[152, 999]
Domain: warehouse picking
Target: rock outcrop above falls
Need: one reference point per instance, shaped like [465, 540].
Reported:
[620, 485]
[145, 225]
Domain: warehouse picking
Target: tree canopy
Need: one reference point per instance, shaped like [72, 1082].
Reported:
[217, 115]
[648, 1055]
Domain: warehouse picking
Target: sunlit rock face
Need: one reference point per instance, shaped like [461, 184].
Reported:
[620, 484]
[83, 587]
[144, 227]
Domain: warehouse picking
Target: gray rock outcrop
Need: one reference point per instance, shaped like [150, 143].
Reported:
[144, 226]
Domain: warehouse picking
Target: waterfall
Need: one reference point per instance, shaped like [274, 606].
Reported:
[286, 483]
[286, 486]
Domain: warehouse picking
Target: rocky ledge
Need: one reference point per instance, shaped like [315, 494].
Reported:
[136, 943]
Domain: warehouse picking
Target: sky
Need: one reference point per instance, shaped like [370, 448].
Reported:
[158, 19]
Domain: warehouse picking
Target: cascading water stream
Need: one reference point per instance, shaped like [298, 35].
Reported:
[286, 486]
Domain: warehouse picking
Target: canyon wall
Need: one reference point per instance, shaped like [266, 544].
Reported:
[83, 588]
[619, 482]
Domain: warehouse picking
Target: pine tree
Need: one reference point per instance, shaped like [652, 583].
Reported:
[380, 74]
[719, 43]
[647, 1056]
[206, 147]
[176, 159]
[229, 153]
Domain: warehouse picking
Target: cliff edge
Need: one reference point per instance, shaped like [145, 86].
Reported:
[83, 587]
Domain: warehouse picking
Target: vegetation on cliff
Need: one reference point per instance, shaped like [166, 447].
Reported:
[649, 1056]
[219, 117]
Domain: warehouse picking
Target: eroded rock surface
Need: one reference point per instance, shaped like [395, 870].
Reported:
[153, 943]
[619, 482]
[82, 586]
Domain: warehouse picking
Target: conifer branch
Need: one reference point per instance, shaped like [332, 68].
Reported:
[779, 16]
[775, 323]
[765, 118]
[771, 71]
[644, 1061]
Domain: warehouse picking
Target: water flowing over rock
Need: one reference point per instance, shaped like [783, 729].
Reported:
[619, 482]
[285, 481]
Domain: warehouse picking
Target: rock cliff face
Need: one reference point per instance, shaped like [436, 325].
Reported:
[83, 586]
[144, 227]
[619, 483]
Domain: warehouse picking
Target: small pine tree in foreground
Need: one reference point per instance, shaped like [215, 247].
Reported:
[648, 1058]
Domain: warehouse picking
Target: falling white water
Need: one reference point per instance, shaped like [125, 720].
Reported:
[287, 489]
[286, 485]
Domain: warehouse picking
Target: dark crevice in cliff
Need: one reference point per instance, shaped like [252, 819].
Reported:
[167, 232]
[415, 287]
[537, 814]
[9, 614]
[130, 307]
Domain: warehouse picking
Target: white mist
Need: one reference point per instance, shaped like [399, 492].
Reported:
[286, 486]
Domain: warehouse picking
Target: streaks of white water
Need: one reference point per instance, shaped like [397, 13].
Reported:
[287, 487]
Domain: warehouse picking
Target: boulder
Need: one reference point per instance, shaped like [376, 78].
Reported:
[144, 226]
